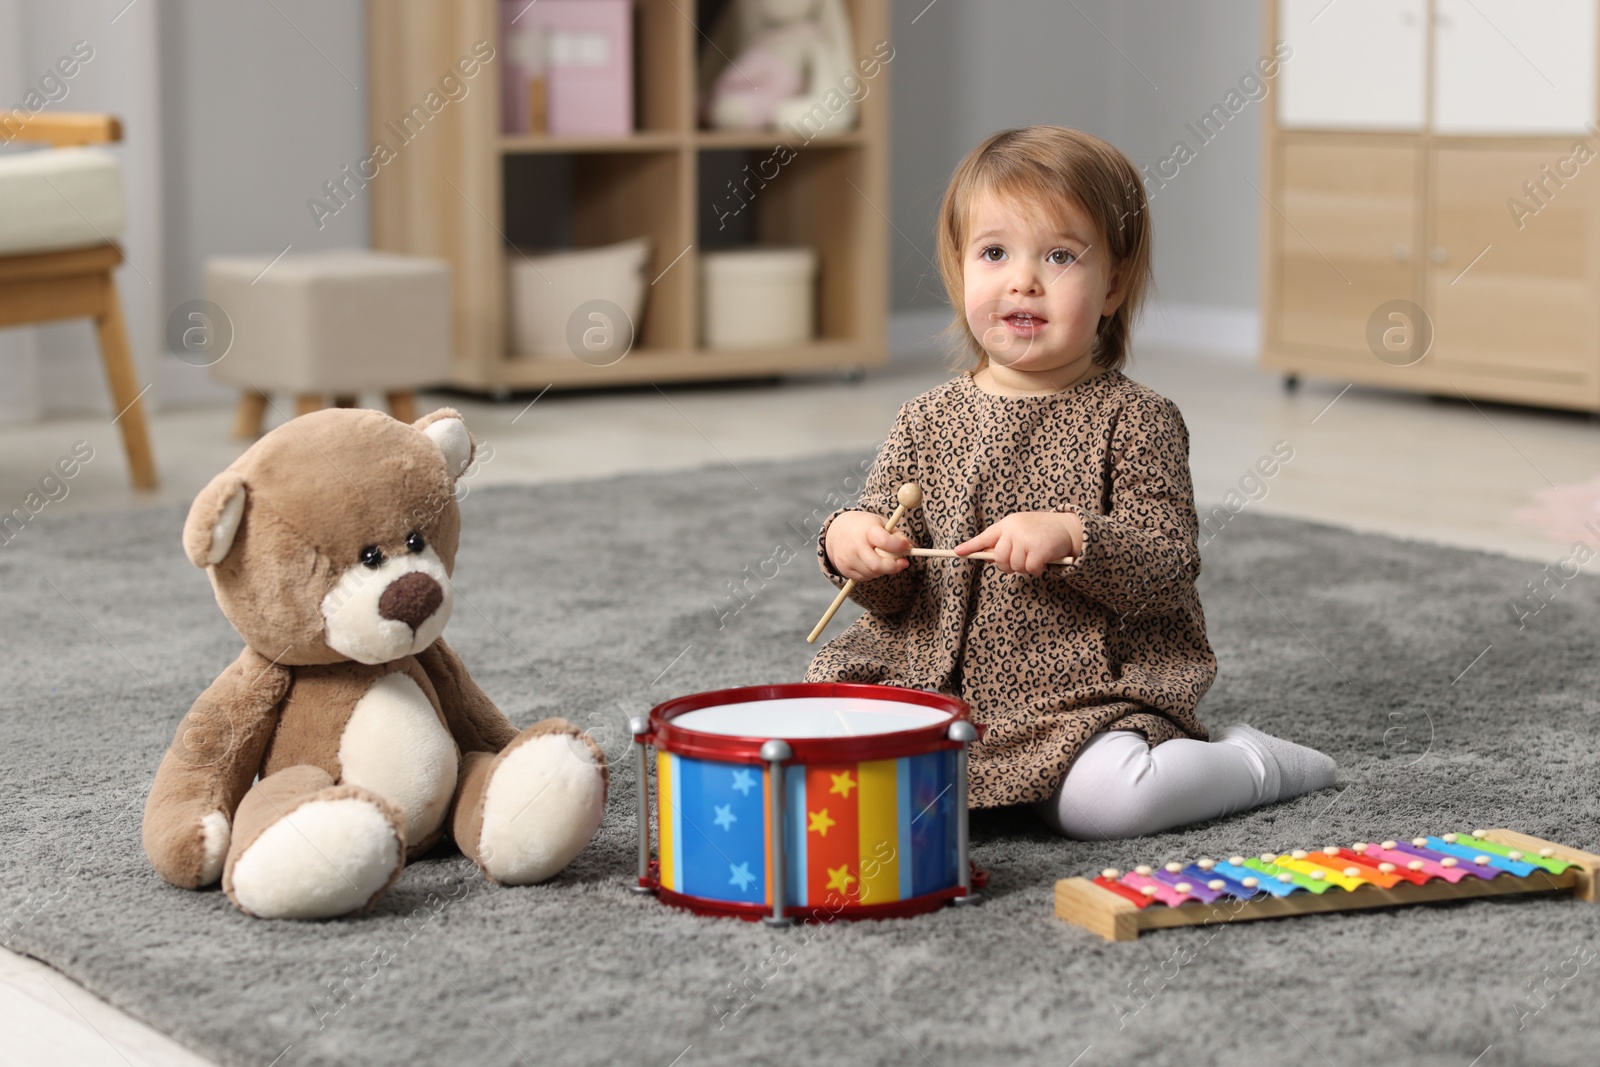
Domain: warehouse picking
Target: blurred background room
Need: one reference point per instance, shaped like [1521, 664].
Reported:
[1377, 248]
[1291, 208]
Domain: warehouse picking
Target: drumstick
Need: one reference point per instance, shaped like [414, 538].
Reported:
[909, 496]
[950, 553]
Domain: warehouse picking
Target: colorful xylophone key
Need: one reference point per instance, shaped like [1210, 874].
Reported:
[1452, 866]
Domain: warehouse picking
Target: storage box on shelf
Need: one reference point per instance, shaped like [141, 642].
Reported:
[567, 67]
[596, 293]
[466, 191]
[1451, 173]
[758, 297]
[587, 200]
[813, 198]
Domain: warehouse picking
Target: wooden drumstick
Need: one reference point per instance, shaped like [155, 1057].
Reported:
[909, 496]
[950, 553]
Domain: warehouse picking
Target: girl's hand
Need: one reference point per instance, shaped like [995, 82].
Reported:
[1028, 540]
[853, 542]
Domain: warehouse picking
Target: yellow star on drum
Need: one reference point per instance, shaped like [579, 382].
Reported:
[820, 822]
[840, 878]
[842, 784]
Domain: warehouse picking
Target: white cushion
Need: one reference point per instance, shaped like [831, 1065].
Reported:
[343, 321]
[59, 198]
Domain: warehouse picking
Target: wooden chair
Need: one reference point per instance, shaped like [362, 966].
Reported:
[77, 283]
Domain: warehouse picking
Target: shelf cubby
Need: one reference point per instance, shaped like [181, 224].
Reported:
[813, 199]
[474, 194]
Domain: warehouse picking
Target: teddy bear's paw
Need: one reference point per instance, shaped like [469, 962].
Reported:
[215, 835]
[543, 804]
[326, 858]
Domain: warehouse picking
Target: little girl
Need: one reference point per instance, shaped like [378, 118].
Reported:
[1086, 674]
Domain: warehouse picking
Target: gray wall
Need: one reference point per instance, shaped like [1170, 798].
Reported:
[234, 113]
[1130, 71]
[263, 103]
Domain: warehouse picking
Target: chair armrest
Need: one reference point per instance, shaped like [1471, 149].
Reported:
[59, 130]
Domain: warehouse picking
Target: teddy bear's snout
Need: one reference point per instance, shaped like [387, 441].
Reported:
[411, 599]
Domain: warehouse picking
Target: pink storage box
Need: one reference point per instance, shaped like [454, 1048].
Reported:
[585, 49]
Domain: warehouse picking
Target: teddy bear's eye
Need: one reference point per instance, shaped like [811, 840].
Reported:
[414, 542]
[372, 556]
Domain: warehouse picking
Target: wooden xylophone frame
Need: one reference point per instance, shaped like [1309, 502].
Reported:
[1082, 902]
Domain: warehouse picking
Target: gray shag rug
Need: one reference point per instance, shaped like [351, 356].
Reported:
[596, 600]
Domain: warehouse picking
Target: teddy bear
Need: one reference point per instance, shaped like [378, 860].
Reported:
[348, 737]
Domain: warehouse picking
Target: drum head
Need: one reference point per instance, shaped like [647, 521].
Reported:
[820, 721]
[798, 718]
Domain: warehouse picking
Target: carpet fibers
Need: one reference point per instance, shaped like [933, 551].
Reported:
[1404, 661]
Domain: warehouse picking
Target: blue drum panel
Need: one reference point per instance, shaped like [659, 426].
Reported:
[724, 830]
[932, 817]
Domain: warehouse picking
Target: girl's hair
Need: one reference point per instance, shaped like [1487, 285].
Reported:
[1045, 167]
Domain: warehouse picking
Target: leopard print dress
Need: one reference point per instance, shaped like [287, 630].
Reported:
[1115, 641]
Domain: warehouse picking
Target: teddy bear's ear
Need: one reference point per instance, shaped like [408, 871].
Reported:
[449, 432]
[214, 519]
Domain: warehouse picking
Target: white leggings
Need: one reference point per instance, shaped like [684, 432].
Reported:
[1121, 787]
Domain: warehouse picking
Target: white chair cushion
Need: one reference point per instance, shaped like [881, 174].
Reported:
[59, 198]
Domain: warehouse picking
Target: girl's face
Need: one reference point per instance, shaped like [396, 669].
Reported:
[1034, 294]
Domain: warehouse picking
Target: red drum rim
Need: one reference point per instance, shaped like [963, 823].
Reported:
[729, 748]
[889, 909]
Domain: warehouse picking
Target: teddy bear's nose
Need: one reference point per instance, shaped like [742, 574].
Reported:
[411, 599]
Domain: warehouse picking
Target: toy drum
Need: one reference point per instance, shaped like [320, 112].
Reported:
[781, 801]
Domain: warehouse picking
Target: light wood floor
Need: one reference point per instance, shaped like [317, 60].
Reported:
[1437, 470]
[1407, 466]
[1442, 471]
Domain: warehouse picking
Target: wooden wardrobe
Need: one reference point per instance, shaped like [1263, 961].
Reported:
[1430, 198]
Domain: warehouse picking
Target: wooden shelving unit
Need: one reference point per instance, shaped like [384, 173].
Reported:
[1391, 188]
[464, 191]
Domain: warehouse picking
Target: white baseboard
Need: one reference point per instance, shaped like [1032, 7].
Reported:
[1220, 331]
[19, 368]
[914, 337]
[179, 385]
[1223, 331]
[914, 341]
[176, 385]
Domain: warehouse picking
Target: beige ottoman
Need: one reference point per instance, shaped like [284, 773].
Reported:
[331, 324]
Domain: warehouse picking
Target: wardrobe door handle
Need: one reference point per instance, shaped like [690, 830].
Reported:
[1401, 253]
[1438, 255]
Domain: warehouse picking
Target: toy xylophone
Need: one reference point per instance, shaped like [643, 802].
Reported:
[1484, 863]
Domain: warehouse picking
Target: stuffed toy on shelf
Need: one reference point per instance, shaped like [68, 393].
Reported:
[330, 544]
[792, 71]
